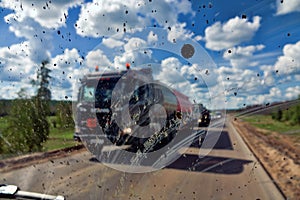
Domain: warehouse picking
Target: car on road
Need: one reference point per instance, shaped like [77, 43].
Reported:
[217, 115]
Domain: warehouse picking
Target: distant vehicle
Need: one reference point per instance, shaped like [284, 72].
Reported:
[204, 119]
[217, 115]
[95, 108]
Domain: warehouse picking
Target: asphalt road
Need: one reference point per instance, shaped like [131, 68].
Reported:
[228, 171]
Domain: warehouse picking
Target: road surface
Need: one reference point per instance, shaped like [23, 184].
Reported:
[229, 171]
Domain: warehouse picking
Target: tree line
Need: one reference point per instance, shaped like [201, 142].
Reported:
[290, 115]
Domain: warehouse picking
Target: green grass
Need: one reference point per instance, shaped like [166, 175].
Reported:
[59, 138]
[266, 122]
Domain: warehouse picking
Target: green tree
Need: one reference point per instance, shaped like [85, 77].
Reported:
[292, 114]
[286, 115]
[43, 78]
[20, 134]
[41, 110]
[277, 115]
[296, 115]
[43, 96]
[64, 115]
[28, 126]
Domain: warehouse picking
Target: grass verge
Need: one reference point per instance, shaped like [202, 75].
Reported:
[59, 139]
[266, 122]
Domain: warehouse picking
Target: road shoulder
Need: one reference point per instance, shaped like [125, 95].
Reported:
[37, 158]
[281, 167]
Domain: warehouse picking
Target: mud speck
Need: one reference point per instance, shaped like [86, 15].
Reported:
[187, 51]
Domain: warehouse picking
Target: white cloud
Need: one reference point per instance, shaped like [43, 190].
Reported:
[17, 70]
[65, 72]
[240, 57]
[274, 94]
[289, 62]
[233, 32]
[182, 78]
[135, 52]
[68, 60]
[198, 38]
[268, 84]
[112, 43]
[10, 90]
[172, 76]
[35, 21]
[256, 99]
[287, 6]
[152, 37]
[99, 18]
[129, 50]
[263, 85]
[137, 59]
[292, 92]
[178, 32]
[242, 82]
[134, 44]
[97, 58]
[233, 102]
[49, 14]
[170, 71]
[39, 39]
[16, 63]
[268, 78]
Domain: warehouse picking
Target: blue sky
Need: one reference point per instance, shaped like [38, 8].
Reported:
[246, 51]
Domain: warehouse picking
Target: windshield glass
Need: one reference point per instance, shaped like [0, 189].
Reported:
[104, 90]
[150, 99]
[88, 94]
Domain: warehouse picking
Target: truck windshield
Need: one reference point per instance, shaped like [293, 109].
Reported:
[101, 94]
[88, 93]
[104, 91]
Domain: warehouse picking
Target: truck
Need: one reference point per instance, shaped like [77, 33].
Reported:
[100, 117]
[205, 116]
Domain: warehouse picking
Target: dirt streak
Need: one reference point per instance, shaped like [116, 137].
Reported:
[37, 158]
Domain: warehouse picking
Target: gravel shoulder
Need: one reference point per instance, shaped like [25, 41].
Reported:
[277, 153]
